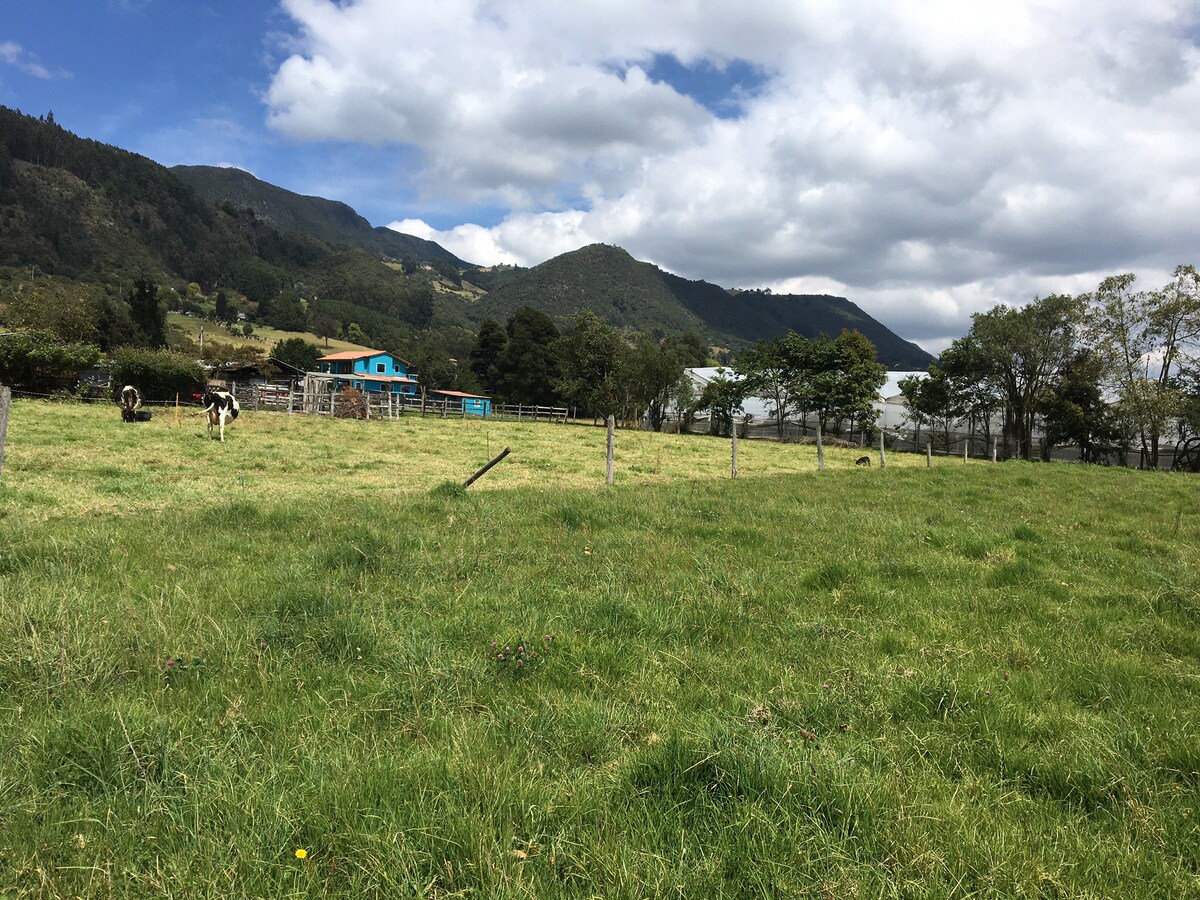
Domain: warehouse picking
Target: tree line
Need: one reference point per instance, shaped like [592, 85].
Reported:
[1115, 371]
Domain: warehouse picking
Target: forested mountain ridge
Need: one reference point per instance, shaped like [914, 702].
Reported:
[331, 221]
[87, 211]
[84, 210]
[640, 296]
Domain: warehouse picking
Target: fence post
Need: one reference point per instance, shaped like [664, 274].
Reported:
[966, 447]
[882, 455]
[928, 455]
[820, 450]
[5, 400]
[993, 451]
[733, 473]
[178, 421]
[611, 423]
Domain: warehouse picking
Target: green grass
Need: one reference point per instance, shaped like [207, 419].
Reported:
[264, 337]
[972, 681]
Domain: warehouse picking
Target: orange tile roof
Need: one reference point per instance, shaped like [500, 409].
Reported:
[351, 354]
[461, 394]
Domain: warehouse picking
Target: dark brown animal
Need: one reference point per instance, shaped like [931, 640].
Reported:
[863, 461]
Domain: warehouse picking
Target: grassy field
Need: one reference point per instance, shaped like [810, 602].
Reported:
[972, 681]
[264, 337]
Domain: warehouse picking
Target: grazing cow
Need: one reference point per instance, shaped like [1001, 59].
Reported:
[863, 461]
[131, 402]
[220, 405]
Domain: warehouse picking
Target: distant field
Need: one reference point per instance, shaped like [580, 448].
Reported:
[980, 680]
[264, 338]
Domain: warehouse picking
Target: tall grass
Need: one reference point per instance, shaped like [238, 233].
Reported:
[972, 680]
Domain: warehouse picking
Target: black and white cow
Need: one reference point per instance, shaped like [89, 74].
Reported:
[220, 405]
[131, 402]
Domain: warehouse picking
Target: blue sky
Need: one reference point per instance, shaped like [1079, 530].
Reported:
[925, 158]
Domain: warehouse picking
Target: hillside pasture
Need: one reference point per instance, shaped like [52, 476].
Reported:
[975, 680]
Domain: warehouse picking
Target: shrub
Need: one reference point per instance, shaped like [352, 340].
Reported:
[158, 374]
[38, 361]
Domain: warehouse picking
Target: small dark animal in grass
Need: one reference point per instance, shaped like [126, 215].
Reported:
[220, 405]
[863, 461]
[131, 402]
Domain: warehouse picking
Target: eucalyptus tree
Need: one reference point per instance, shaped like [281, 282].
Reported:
[1023, 350]
[1144, 336]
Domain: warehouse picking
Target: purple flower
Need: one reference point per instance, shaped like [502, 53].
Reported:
[825, 685]
[500, 656]
[520, 662]
[493, 645]
[262, 645]
[170, 662]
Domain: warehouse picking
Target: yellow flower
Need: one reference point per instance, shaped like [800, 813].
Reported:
[301, 853]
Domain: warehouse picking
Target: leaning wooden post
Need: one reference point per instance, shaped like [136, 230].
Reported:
[5, 400]
[882, 455]
[733, 473]
[612, 424]
[928, 455]
[178, 422]
[820, 449]
[482, 471]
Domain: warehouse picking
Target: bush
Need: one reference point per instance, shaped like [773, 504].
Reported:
[36, 360]
[158, 374]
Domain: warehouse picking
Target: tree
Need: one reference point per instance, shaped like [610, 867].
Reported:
[223, 311]
[528, 367]
[325, 327]
[1142, 336]
[148, 313]
[287, 313]
[933, 402]
[37, 360]
[723, 398]
[653, 373]
[296, 353]
[1024, 350]
[1074, 410]
[837, 379]
[354, 334]
[158, 374]
[770, 371]
[484, 354]
[589, 354]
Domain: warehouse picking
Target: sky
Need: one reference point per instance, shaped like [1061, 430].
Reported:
[926, 159]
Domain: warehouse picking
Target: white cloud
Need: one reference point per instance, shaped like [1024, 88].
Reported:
[926, 159]
[14, 54]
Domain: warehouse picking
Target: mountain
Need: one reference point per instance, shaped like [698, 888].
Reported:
[100, 215]
[329, 221]
[640, 296]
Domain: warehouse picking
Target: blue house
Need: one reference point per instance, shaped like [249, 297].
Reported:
[470, 404]
[373, 371]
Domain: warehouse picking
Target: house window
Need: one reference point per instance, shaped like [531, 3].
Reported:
[379, 367]
[396, 367]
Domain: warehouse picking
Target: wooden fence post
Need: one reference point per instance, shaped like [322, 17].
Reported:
[882, 455]
[178, 421]
[929, 454]
[612, 424]
[482, 471]
[966, 448]
[733, 473]
[820, 450]
[993, 451]
[5, 400]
